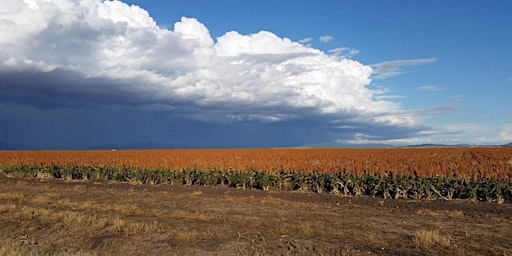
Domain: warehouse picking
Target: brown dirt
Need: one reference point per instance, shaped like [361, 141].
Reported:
[55, 217]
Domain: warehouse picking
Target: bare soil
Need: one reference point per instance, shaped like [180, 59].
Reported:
[58, 217]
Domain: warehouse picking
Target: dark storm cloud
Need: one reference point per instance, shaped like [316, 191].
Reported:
[132, 128]
[63, 88]
[80, 73]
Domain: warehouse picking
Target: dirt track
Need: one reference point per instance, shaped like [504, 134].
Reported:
[64, 217]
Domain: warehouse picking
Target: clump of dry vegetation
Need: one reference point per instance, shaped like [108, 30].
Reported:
[447, 213]
[430, 238]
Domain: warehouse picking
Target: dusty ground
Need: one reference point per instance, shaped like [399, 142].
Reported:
[48, 217]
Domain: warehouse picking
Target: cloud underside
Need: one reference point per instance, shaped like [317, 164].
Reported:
[71, 54]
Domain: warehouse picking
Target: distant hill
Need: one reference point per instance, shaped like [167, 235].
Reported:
[6, 146]
[509, 145]
[437, 146]
[126, 146]
[339, 145]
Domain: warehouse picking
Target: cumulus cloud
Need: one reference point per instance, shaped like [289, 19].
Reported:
[392, 68]
[326, 38]
[69, 53]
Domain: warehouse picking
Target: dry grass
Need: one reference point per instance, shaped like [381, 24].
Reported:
[65, 218]
[9, 248]
[24, 245]
[447, 213]
[11, 196]
[197, 193]
[70, 220]
[429, 238]
[188, 236]
[7, 208]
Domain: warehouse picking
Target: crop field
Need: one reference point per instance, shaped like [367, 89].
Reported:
[495, 163]
[286, 202]
[483, 174]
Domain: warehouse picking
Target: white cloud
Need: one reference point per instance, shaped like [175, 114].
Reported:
[392, 68]
[116, 51]
[472, 133]
[436, 110]
[432, 88]
[344, 52]
[506, 133]
[389, 97]
[119, 12]
[449, 134]
[305, 41]
[326, 38]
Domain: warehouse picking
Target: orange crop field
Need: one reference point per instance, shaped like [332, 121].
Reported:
[494, 163]
[408, 201]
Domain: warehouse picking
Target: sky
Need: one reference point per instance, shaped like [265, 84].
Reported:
[83, 74]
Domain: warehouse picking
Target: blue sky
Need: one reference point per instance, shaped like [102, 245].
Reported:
[146, 73]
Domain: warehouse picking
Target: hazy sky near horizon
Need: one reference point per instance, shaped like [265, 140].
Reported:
[78, 74]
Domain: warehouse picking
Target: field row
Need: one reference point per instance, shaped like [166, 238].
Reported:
[467, 163]
[405, 187]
